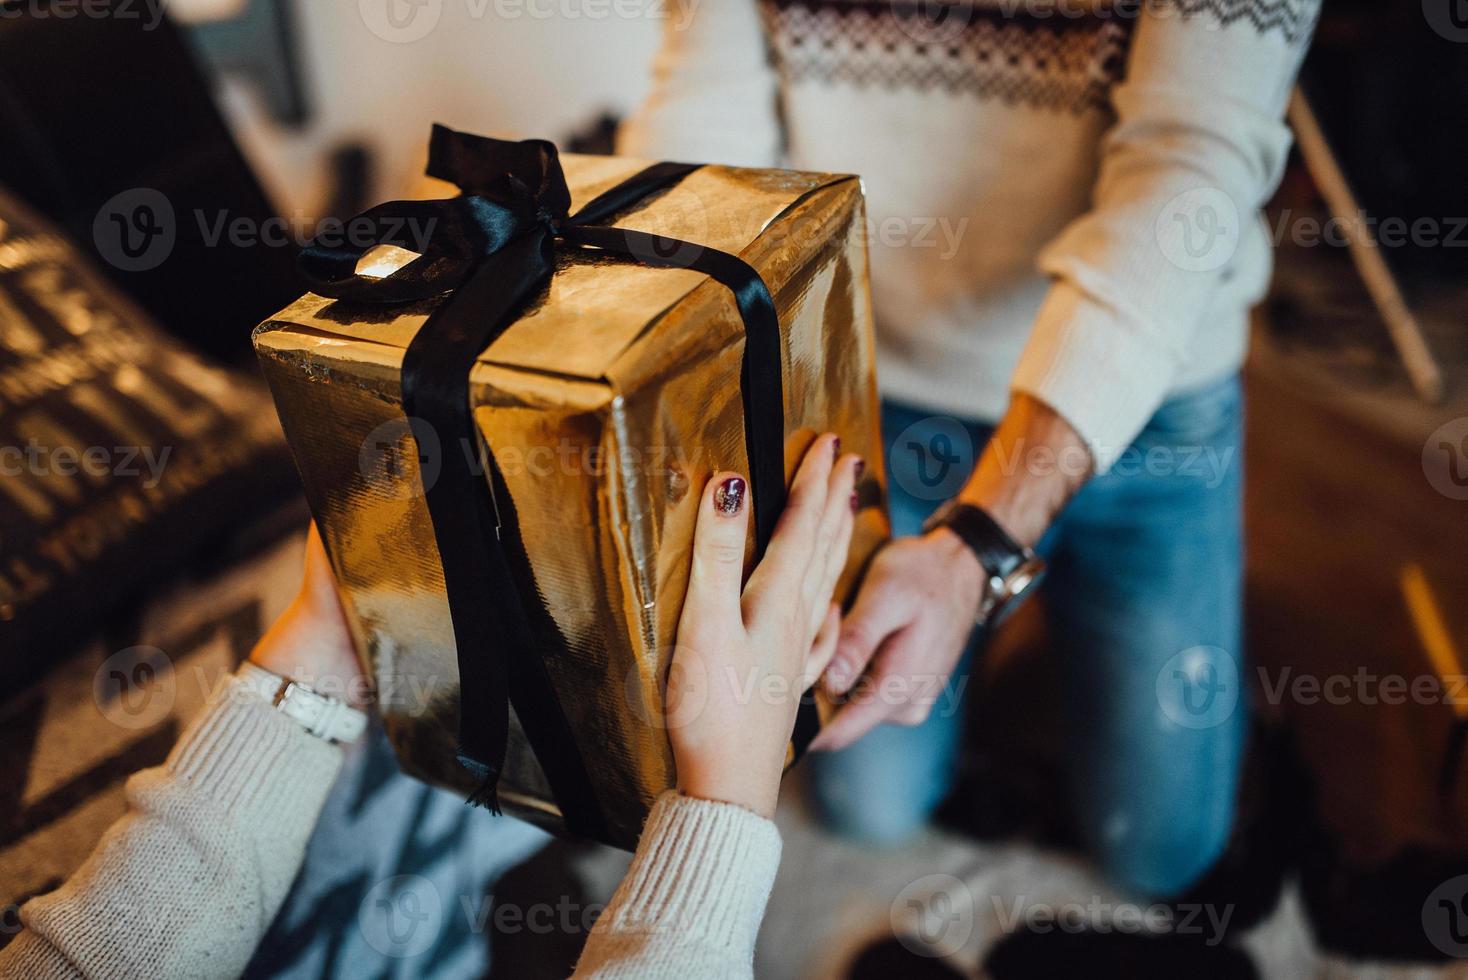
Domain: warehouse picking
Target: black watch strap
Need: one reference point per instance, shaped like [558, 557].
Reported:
[996, 550]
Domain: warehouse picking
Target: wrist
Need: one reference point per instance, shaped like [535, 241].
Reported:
[1014, 511]
[299, 646]
[1033, 464]
[736, 785]
[962, 565]
[1007, 569]
[319, 713]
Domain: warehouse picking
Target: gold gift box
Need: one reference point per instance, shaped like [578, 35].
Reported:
[607, 406]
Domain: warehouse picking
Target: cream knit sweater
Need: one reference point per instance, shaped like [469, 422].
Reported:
[187, 882]
[1063, 194]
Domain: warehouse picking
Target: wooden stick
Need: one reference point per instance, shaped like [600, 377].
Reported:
[1405, 332]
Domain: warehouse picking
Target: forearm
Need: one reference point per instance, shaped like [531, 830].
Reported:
[189, 879]
[1033, 464]
[1198, 146]
[692, 902]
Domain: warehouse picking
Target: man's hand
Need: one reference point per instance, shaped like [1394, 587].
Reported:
[907, 629]
[917, 605]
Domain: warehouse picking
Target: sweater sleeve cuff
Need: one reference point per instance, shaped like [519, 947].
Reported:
[703, 869]
[1092, 365]
[262, 767]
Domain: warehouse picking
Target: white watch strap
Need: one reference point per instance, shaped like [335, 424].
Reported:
[322, 716]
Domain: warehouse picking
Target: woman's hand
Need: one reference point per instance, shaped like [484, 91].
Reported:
[310, 642]
[745, 655]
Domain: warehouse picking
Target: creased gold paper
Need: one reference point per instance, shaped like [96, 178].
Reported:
[607, 406]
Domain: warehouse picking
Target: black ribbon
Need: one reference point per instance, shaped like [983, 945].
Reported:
[493, 249]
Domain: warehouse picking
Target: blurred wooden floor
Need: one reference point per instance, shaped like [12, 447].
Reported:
[1338, 510]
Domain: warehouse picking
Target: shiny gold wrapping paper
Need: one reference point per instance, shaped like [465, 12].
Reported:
[607, 406]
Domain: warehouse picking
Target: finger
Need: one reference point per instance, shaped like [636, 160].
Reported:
[832, 536]
[913, 715]
[823, 648]
[880, 611]
[838, 548]
[782, 571]
[849, 723]
[717, 571]
[864, 710]
[928, 682]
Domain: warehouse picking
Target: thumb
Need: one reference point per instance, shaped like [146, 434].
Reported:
[717, 574]
[879, 612]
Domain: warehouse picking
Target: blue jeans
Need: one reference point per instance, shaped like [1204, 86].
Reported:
[1143, 605]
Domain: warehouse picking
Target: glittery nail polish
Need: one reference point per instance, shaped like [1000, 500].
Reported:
[729, 496]
[835, 449]
[859, 469]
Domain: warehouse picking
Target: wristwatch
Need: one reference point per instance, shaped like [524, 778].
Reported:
[325, 717]
[1013, 570]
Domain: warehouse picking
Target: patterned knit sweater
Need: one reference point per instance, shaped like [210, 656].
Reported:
[1063, 195]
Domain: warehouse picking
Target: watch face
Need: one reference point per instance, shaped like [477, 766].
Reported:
[1005, 594]
[1025, 577]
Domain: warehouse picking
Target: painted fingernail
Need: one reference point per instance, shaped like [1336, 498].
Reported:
[729, 496]
[860, 468]
[855, 503]
[835, 449]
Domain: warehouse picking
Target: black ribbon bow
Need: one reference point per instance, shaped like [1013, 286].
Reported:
[493, 249]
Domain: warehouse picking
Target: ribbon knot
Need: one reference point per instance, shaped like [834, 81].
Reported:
[492, 249]
[552, 222]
